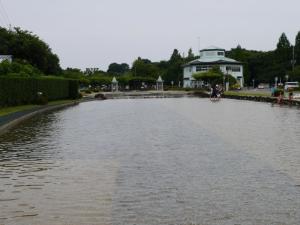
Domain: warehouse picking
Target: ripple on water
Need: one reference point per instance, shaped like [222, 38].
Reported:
[190, 162]
[8, 199]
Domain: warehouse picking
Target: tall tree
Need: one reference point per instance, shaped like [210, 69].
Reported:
[283, 42]
[175, 56]
[283, 51]
[174, 71]
[190, 54]
[26, 46]
[297, 49]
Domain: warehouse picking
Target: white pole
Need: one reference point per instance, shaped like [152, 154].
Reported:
[199, 45]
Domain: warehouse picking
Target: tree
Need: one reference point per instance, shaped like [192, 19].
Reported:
[91, 71]
[214, 76]
[174, 71]
[190, 55]
[18, 68]
[73, 73]
[209, 76]
[297, 49]
[144, 68]
[26, 46]
[246, 57]
[283, 52]
[175, 57]
[295, 75]
[118, 69]
[283, 42]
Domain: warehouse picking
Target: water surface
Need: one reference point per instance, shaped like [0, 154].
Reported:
[154, 161]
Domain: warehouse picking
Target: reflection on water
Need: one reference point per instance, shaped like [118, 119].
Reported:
[154, 161]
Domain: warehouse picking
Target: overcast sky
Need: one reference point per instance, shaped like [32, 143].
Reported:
[95, 33]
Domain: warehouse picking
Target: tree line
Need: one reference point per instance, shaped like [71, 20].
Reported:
[263, 67]
[33, 57]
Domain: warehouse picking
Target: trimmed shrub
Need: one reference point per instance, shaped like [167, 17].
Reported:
[73, 89]
[19, 91]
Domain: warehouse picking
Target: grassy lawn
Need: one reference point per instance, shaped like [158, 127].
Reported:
[8, 110]
[13, 109]
[245, 93]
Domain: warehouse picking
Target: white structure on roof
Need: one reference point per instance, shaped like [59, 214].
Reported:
[5, 57]
[209, 57]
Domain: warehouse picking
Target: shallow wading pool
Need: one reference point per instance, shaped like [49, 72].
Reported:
[153, 161]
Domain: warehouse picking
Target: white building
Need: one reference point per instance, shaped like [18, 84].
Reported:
[209, 57]
[5, 57]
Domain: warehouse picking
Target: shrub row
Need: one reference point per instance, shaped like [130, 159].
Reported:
[18, 91]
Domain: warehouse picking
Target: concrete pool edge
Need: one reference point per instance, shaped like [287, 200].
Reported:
[14, 119]
[266, 99]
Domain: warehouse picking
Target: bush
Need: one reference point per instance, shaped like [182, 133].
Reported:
[235, 87]
[18, 91]
[73, 89]
[18, 69]
[295, 89]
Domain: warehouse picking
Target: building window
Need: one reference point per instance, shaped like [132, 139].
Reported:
[190, 69]
[210, 53]
[236, 69]
[202, 68]
[221, 53]
[233, 68]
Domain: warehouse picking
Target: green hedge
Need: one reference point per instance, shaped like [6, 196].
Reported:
[19, 91]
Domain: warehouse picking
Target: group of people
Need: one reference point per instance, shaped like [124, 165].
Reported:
[279, 94]
[215, 93]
